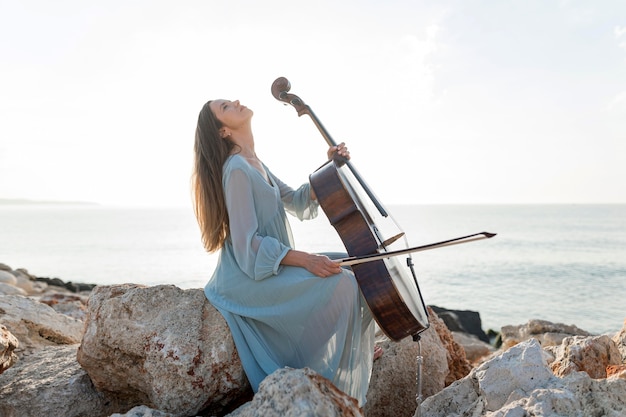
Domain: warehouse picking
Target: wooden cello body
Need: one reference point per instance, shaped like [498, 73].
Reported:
[388, 285]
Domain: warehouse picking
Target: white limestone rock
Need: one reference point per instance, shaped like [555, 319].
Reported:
[142, 411]
[519, 383]
[547, 333]
[298, 392]
[589, 354]
[475, 349]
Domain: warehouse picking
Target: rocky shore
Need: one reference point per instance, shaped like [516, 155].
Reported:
[131, 350]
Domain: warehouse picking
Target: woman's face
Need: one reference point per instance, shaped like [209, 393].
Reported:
[231, 113]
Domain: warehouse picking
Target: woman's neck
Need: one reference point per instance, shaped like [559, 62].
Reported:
[245, 144]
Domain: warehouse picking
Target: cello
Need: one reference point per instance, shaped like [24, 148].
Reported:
[370, 236]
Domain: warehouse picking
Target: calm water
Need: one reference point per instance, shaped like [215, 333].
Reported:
[562, 263]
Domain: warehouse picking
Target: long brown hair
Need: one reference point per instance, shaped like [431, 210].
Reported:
[210, 153]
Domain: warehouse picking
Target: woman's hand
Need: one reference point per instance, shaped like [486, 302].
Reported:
[322, 266]
[341, 150]
[319, 265]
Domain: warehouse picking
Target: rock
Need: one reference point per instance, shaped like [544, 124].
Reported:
[519, 383]
[393, 386]
[26, 283]
[547, 333]
[616, 371]
[37, 325]
[298, 392]
[520, 370]
[162, 347]
[51, 383]
[475, 349]
[7, 277]
[143, 411]
[462, 321]
[8, 289]
[20, 281]
[70, 286]
[457, 360]
[8, 343]
[73, 305]
[620, 341]
[55, 282]
[78, 287]
[587, 354]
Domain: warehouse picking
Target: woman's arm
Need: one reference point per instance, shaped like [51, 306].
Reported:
[320, 265]
[258, 256]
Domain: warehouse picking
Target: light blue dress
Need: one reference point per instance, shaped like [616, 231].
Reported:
[283, 315]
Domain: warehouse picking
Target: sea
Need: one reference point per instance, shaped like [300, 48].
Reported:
[561, 263]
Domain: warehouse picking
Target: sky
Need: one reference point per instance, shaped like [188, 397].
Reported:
[439, 102]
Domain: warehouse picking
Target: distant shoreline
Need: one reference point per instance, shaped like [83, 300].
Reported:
[24, 201]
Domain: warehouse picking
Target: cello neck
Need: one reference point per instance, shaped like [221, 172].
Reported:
[280, 91]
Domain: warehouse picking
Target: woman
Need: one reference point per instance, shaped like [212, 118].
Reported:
[284, 307]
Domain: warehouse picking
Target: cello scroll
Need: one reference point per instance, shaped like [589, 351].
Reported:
[280, 91]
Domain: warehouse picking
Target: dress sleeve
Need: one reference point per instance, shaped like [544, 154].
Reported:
[297, 202]
[258, 256]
